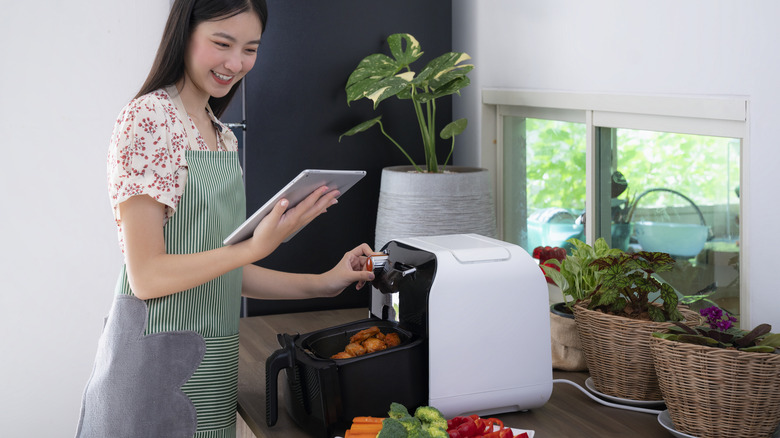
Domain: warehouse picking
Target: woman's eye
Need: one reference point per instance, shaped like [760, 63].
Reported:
[220, 44]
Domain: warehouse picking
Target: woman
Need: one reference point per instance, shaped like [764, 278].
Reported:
[167, 363]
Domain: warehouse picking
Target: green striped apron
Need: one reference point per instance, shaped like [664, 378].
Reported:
[139, 385]
[211, 207]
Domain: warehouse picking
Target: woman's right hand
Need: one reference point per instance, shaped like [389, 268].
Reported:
[280, 223]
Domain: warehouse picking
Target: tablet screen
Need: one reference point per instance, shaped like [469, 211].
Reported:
[296, 191]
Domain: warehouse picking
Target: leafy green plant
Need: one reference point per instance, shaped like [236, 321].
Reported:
[378, 77]
[720, 333]
[577, 277]
[627, 280]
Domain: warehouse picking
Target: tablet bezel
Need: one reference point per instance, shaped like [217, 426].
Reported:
[296, 191]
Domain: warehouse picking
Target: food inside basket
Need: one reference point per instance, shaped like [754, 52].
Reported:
[367, 341]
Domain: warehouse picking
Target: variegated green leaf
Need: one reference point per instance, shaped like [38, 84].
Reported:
[600, 247]
[381, 90]
[619, 305]
[361, 127]
[424, 98]
[656, 314]
[445, 68]
[374, 67]
[454, 128]
[451, 87]
[406, 56]
[669, 296]
[675, 314]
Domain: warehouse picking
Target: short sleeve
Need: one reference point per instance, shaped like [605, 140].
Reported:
[144, 155]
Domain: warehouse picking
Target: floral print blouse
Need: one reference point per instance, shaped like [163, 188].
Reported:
[146, 152]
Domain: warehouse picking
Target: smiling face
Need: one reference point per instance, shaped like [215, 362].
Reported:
[219, 54]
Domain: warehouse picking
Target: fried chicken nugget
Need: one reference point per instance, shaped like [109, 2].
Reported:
[373, 344]
[364, 334]
[341, 355]
[392, 340]
[354, 349]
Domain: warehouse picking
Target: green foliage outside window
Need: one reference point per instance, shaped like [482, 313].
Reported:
[706, 169]
[556, 164]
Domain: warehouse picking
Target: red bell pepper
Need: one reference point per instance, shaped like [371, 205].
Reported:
[468, 428]
[455, 422]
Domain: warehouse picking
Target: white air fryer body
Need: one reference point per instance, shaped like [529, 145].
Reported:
[488, 326]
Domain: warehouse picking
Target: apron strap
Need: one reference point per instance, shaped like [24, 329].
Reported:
[174, 93]
[191, 137]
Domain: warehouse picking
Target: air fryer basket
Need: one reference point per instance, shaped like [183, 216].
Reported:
[323, 394]
[326, 343]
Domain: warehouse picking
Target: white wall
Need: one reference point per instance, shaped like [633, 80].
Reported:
[67, 70]
[664, 47]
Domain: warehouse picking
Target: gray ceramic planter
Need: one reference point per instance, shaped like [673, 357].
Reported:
[413, 204]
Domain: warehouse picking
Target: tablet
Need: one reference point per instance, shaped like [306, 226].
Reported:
[296, 191]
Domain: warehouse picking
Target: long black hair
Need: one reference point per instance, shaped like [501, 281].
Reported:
[185, 15]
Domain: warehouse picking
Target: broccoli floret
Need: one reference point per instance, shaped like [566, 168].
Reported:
[411, 424]
[420, 433]
[397, 410]
[392, 428]
[427, 422]
[431, 417]
[436, 432]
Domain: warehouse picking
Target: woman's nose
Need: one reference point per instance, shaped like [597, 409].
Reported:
[233, 63]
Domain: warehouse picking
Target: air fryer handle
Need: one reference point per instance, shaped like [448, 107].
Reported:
[279, 360]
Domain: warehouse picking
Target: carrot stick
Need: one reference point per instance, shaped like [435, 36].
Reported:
[367, 420]
[366, 427]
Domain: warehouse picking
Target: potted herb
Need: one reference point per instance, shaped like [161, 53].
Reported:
[428, 199]
[575, 275]
[718, 380]
[626, 284]
[576, 278]
[617, 319]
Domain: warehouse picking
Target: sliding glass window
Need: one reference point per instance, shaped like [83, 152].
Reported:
[658, 183]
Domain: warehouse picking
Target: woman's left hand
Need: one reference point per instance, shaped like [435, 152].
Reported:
[350, 269]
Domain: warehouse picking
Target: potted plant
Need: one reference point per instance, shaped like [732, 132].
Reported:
[616, 320]
[574, 274]
[431, 199]
[718, 380]
[378, 77]
[576, 278]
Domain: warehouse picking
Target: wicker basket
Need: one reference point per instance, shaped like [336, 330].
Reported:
[617, 352]
[718, 393]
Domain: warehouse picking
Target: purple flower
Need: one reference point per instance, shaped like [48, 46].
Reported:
[716, 320]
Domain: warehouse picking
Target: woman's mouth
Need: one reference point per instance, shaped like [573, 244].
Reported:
[221, 79]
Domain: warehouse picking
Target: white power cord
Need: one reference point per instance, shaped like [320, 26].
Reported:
[606, 403]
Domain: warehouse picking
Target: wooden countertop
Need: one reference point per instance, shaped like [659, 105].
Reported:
[568, 413]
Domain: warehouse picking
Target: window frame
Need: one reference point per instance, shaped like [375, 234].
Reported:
[718, 116]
